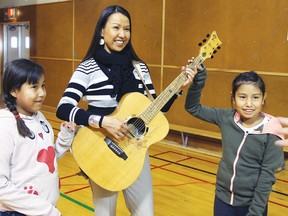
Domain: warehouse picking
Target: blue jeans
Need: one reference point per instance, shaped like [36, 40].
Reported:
[11, 213]
[223, 209]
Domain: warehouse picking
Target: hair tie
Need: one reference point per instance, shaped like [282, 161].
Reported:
[17, 116]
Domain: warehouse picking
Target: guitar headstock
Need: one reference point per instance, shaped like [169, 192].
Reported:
[209, 48]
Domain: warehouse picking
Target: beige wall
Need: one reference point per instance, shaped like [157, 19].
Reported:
[165, 35]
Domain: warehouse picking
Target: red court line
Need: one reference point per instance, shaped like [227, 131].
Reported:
[188, 176]
[64, 185]
[161, 153]
[279, 204]
[177, 185]
[282, 180]
[188, 157]
[69, 176]
[192, 157]
[167, 164]
[78, 189]
[201, 180]
[197, 158]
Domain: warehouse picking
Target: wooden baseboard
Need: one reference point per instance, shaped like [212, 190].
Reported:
[202, 133]
[195, 131]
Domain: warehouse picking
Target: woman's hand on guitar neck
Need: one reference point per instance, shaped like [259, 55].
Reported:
[117, 128]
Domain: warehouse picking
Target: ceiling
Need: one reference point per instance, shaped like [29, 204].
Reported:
[18, 3]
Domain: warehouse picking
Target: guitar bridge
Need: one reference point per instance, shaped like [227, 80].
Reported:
[115, 148]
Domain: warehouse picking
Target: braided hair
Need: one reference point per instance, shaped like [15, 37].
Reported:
[18, 72]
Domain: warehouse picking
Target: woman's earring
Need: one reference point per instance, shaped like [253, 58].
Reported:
[102, 41]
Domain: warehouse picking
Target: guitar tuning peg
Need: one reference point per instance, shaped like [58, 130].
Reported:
[200, 44]
[215, 51]
[208, 35]
[218, 47]
[204, 40]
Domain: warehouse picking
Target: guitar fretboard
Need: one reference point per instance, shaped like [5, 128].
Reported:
[149, 113]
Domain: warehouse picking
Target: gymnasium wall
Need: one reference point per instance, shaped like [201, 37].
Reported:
[165, 33]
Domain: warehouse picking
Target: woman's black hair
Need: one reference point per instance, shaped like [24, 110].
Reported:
[106, 13]
[18, 72]
[250, 77]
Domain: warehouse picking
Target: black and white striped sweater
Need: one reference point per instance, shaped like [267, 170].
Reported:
[90, 83]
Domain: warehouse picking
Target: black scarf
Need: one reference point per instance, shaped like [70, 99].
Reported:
[121, 70]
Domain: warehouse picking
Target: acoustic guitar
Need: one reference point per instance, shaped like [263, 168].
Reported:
[116, 165]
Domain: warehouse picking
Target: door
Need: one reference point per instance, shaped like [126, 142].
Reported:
[15, 40]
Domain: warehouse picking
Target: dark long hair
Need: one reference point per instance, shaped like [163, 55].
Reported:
[17, 73]
[106, 13]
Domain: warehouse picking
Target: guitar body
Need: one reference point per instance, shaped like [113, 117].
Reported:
[104, 166]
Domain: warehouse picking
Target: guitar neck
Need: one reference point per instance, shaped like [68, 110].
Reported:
[149, 113]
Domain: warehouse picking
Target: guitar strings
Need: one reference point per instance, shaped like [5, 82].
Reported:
[138, 127]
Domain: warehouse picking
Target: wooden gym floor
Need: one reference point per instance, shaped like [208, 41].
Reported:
[183, 182]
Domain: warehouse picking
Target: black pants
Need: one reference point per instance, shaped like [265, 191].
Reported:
[223, 209]
[11, 213]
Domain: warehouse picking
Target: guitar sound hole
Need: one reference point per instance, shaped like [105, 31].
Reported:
[137, 127]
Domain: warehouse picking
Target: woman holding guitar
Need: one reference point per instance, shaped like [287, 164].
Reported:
[102, 78]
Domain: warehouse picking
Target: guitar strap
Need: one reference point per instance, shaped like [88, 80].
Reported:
[138, 69]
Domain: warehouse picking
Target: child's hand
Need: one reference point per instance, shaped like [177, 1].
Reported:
[190, 72]
[284, 131]
[71, 126]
